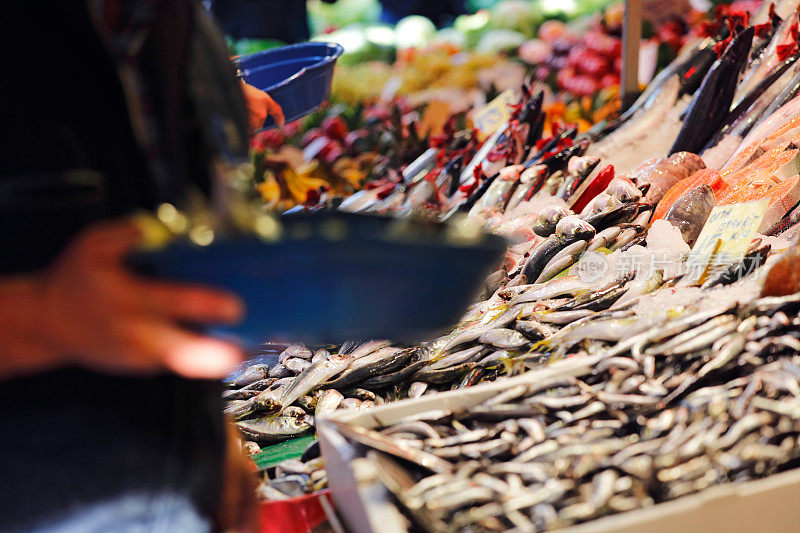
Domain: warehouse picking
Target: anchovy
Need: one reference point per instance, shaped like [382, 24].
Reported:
[387, 380]
[464, 356]
[442, 375]
[473, 333]
[504, 338]
[533, 329]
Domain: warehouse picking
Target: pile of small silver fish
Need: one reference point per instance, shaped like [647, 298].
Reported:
[712, 397]
[274, 404]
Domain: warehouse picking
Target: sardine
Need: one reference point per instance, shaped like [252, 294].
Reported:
[312, 377]
[273, 428]
[328, 401]
[250, 375]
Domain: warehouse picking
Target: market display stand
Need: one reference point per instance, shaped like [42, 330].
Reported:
[722, 509]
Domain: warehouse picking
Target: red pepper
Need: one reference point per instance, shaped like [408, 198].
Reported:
[593, 188]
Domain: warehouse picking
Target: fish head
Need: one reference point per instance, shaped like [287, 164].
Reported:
[573, 228]
[582, 166]
[294, 412]
[623, 189]
[531, 174]
[554, 213]
[269, 400]
[548, 218]
[293, 421]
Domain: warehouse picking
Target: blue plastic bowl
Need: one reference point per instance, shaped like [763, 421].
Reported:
[298, 76]
[361, 281]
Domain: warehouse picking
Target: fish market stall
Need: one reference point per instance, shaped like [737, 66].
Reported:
[631, 362]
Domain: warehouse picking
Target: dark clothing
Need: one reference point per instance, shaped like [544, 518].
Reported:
[282, 20]
[93, 131]
[441, 12]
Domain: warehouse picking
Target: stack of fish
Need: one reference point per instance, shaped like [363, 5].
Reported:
[712, 396]
[563, 200]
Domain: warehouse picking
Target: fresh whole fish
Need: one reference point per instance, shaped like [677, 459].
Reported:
[689, 213]
[561, 261]
[570, 444]
[549, 217]
[273, 428]
[713, 99]
[504, 338]
[384, 360]
[250, 375]
[568, 230]
[312, 377]
[329, 400]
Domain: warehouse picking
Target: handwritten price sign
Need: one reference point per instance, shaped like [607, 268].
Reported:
[725, 237]
[497, 112]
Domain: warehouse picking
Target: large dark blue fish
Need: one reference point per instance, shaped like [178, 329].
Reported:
[712, 102]
[747, 108]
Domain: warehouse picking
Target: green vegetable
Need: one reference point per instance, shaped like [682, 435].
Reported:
[414, 31]
[451, 36]
[357, 48]
[322, 17]
[500, 41]
[518, 15]
[472, 26]
[243, 47]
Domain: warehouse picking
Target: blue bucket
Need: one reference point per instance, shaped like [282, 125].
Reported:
[298, 76]
[313, 286]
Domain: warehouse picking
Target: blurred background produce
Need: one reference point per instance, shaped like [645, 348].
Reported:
[570, 49]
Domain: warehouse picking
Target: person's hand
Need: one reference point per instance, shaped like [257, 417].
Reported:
[97, 314]
[260, 105]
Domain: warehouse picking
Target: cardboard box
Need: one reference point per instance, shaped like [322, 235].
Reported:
[771, 504]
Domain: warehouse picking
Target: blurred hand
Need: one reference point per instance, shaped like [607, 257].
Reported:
[96, 314]
[259, 105]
